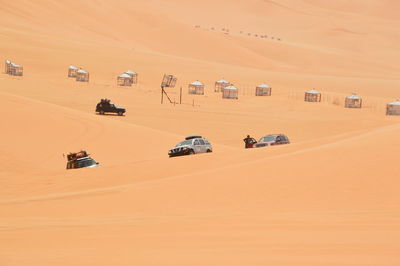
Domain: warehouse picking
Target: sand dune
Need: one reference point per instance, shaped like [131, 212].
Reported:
[328, 198]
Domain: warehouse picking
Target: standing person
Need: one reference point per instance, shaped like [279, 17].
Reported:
[248, 142]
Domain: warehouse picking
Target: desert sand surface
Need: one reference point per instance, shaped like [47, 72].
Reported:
[331, 197]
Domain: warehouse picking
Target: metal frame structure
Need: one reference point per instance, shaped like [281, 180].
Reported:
[353, 101]
[7, 66]
[220, 85]
[124, 80]
[13, 69]
[168, 81]
[133, 75]
[393, 108]
[72, 71]
[230, 92]
[312, 96]
[196, 87]
[82, 75]
[263, 90]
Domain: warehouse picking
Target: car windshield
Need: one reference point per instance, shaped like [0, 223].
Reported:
[85, 163]
[267, 139]
[186, 142]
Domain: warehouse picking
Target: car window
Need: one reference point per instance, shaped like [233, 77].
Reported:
[196, 142]
[85, 163]
[186, 142]
[202, 142]
[267, 139]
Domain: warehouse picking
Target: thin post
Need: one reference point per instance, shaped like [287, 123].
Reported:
[162, 95]
[169, 99]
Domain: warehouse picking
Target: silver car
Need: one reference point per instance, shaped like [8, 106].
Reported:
[191, 145]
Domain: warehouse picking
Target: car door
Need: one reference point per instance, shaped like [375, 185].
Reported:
[197, 146]
[203, 147]
[278, 140]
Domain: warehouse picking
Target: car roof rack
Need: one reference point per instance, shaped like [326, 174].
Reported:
[193, 137]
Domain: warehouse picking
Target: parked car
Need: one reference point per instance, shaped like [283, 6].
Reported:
[105, 106]
[271, 140]
[191, 145]
[80, 160]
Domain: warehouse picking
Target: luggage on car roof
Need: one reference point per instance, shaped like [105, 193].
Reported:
[193, 137]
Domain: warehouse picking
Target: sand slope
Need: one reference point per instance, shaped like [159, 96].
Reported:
[329, 198]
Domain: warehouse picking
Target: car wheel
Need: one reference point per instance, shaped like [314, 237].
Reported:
[209, 150]
[191, 152]
[101, 112]
[120, 113]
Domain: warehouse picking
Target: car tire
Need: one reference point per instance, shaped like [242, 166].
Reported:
[191, 152]
[101, 112]
[120, 113]
[209, 150]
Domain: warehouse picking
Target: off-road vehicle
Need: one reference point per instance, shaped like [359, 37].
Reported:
[271, 140]
[105, 106]
[191, 145]
[80, 160]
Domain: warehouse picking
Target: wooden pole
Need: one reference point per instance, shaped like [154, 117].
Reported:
[169, 99]
[162, 95]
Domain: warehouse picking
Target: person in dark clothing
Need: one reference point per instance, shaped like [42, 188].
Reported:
[248, 142]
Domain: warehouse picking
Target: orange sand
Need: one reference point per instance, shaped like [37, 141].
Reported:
[329, 198]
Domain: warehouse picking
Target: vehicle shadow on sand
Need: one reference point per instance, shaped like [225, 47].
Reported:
[110, 114]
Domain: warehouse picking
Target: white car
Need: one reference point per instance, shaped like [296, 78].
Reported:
[191, 145]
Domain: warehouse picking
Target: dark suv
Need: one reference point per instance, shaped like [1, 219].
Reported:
[105, 106]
